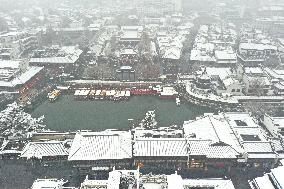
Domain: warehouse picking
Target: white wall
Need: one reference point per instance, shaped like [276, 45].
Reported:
[268, 122]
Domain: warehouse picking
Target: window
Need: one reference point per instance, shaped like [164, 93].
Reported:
[238, 90]
[241, 123]
[250, 138]
[233, 90]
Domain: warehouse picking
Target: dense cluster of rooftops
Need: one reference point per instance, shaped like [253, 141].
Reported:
[134, 179]
[222, 140]
[231, 138]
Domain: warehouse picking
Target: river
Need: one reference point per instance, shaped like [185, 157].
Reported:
[66, 114]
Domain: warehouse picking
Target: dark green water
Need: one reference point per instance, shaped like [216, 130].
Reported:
[67, 114]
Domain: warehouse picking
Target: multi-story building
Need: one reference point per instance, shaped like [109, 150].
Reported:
[16, 76]
[255, 46]
[58, 58]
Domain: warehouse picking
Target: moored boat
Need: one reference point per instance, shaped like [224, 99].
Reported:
[168, 93]
[177, 101]
[54, 95]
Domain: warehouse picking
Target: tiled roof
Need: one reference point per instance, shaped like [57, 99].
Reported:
[211, 150]
[160, 147]
[44, 149]
[257, 147]
[101, 145]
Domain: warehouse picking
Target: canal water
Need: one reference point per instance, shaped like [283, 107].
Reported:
[66, 114]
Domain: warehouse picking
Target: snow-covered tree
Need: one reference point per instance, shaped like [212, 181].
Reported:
[149, 122]
[14, 121]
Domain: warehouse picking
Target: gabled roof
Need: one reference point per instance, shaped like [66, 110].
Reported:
[44, 149]
[160, 147]
[72, 54]
[211, 150]
[101, 146]
[212, 128]
[173, 53]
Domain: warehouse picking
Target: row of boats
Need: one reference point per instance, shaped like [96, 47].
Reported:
[114, 95]
[117, 94]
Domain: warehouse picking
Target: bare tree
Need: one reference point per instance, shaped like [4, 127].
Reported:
[113, 42]
[258, 109]
[145, 44]
[272, 61]
[257, 87]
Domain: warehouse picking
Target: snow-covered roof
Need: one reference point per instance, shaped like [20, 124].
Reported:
[238, 131]
[14, 64]
[263, 182]
[172, 53]
[130, 35]
[253, 138]
[168, 91]
[253, 70]
[55, 60]
[101, 145]
[229, 81]
[210, 96]
[210, 149]
[198, 55]
[125, 67]
[211, 128]
[10, 34]
[255, 46]
[174, 181]
[270, 180]
[131, 32]
[279, 121]
[256, 147]
[160, 147]
[44, 149]
[94, 183]
[72, 55]
[215, 183]
[135, 28]
[23, 78]
[225, 55]
[221, 72]
[234, 117]
[278, 175]
[275, 73]
[27, 75]
[48, 184]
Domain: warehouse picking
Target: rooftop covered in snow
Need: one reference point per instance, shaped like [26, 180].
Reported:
[101, 146]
